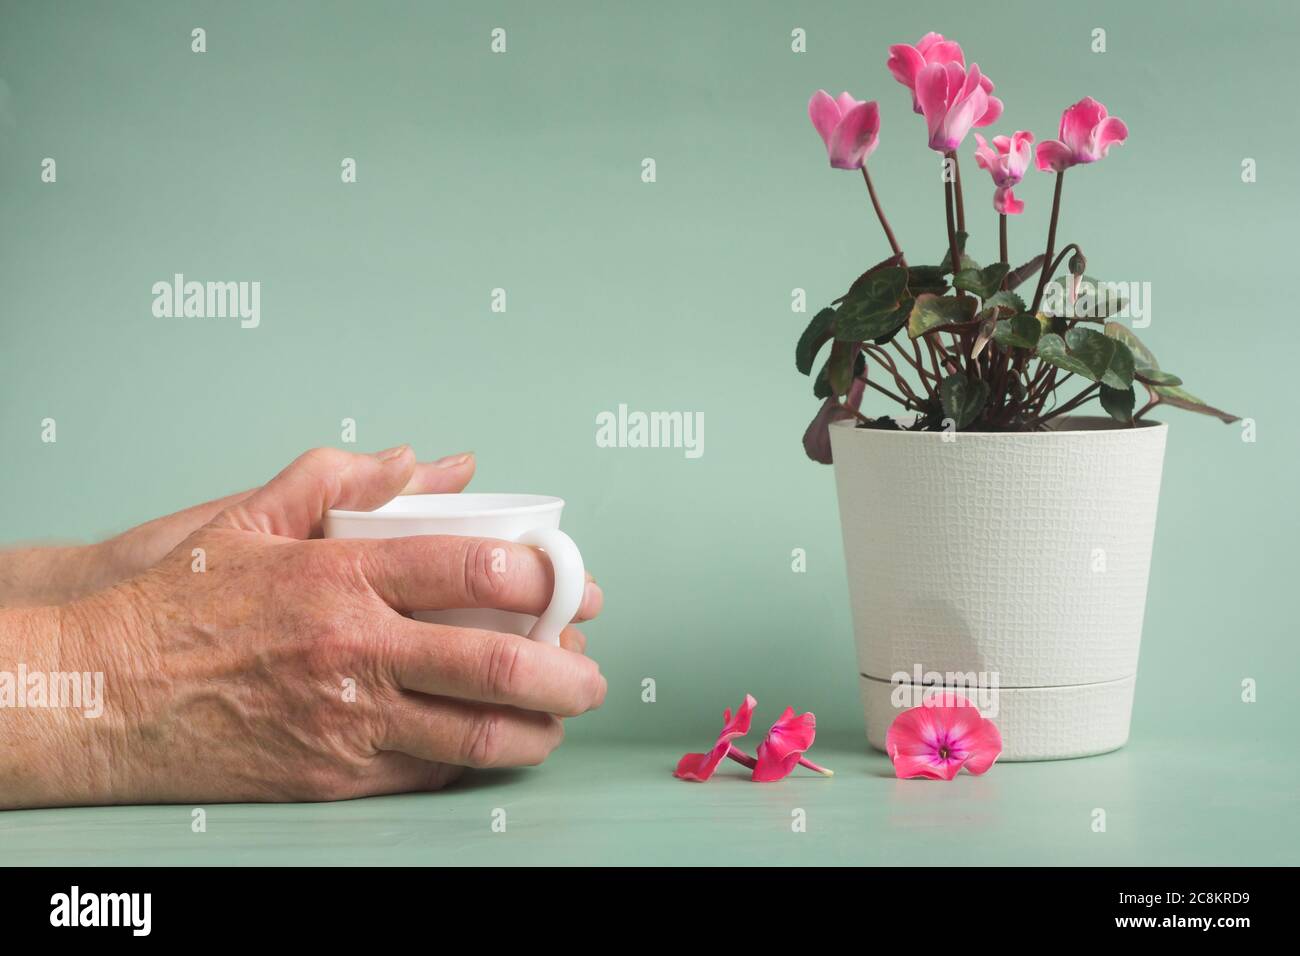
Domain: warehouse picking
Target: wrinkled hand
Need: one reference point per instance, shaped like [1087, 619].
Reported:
[288, 669]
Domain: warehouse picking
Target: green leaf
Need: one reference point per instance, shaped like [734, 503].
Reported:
[868, 307]
[818, 333]
[982, 282]
[930, 279]
[1019, 331]
[1109, 358]
[933, 311]
[1005, 300]
[1145, 367]
[1180, 398]
[966, 261]
[1096, 300]
[1118, 402]
[822, 383]
[962, 399]
[839, 367]
[1052, 350]
[894, 322]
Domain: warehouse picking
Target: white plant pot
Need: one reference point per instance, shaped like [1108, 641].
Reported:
[1014, 561]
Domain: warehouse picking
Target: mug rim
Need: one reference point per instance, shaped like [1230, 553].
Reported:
[526, 504]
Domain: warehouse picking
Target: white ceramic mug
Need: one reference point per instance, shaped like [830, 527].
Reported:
[532, 520]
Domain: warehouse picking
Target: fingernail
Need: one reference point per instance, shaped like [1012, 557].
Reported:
[592, 594]
[389, 454]
[451, 461]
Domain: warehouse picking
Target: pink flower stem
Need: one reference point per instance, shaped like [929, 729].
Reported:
[961, 206]
[745, 760]
[1002, 239]
[880, 214]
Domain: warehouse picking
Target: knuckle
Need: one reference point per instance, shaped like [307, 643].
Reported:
[503, 676]
[485, 575]
[484, 741]
[323, 458]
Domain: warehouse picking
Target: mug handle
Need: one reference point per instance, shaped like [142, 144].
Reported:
[570, 582]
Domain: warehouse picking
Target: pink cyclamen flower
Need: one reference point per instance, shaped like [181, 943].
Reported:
[906, 63]
[784, 747]
[940, 737]
[952, 99]
[850, 128]
[1006, 160]
[700, 767]
[1087, 133]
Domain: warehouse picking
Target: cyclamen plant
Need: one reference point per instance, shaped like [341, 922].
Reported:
[976, 356]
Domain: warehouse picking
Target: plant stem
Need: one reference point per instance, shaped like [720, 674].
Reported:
[880, 214]
[745, 760]
[906, 403]
[1051, 244]
[952, 235]
[1002, 239]
[1072, 404]
[961, 206]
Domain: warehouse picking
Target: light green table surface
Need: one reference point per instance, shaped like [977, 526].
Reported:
[1223, 803]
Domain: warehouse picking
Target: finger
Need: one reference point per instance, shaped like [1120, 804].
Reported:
[469, 735]
[572, 639]
[294, 502]
[444, 476]
[445, 572]
[493, 668]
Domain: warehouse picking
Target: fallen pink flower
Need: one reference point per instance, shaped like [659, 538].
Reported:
[1087, 134]
[940, 737]
[783, 749]
[850, 128]
[951, 99]
[700, 767]
[907, 61]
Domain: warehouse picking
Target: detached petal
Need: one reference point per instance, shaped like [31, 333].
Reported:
[700, 767]
[786, 742]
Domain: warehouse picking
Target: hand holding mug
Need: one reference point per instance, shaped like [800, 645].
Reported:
[291, 667]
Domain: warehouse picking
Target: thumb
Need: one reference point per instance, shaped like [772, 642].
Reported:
[294, 502]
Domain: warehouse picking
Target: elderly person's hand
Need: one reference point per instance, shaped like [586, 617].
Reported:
[288, 668]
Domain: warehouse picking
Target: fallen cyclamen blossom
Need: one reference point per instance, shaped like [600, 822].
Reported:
[817, 438]
[1087, 133]
[850, 128]
[906, 63]
[940, 737]
[700, 767]
[951, 99]
[784, 747]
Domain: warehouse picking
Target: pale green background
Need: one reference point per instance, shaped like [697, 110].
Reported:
[522, 171]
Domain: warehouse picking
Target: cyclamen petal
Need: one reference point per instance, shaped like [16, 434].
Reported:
[790, 737]
[700, 767]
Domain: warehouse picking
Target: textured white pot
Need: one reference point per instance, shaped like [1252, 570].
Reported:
[1017, 560]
